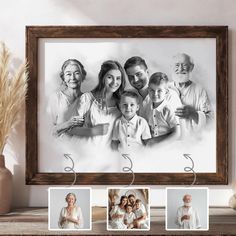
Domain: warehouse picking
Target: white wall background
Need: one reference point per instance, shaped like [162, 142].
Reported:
[199, 203]
[15, 15]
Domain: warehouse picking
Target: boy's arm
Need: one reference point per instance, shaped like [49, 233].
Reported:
[146, 134]
[174, 131]
[171, 136]
[143, 217]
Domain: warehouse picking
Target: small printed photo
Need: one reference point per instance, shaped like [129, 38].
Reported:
[187, 209]
[69, 208]
[128, 209]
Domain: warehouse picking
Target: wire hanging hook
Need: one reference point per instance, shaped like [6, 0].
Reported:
[129, 169]
[70, 169]
[190, 169]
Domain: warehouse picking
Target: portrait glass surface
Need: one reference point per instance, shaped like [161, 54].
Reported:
[93, 153]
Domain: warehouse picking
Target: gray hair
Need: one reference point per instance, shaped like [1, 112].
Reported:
[70, 194]
[186, 196]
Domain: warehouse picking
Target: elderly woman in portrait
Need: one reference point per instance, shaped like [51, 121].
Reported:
[63, 104]
[71, 216]
[117, 214]
[99, 108]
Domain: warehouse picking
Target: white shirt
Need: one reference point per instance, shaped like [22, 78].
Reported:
[131, 133]
[192, 223]
[140, 211]
[194, 95]
[144, 223]
[171, 98]
[94, 114]
[76, 214]
[129, 217]
[117, 223]
[162, 118]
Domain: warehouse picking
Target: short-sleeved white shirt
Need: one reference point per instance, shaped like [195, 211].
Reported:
[162, 118]
[130, 217]
[131, 133]
[140, 212]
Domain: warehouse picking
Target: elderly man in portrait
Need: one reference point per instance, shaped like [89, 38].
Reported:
[196, 111]
[187, 217]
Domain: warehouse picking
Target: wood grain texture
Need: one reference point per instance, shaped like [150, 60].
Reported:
[222, 221]
[34, 33]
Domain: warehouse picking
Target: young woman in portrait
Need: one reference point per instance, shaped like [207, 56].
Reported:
[99, 108]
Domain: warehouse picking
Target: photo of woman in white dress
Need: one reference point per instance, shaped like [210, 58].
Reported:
[71, 216]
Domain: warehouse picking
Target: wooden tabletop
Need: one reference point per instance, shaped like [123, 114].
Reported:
[35, 221]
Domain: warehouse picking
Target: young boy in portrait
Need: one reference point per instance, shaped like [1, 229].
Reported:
[141, 221]
[129, 217]
[130, 130]
[159, 109]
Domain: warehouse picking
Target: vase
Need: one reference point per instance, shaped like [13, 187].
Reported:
[232, 202]
[5, 187]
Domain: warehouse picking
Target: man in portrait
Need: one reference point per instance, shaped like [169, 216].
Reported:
[187, 217]
[196, 111]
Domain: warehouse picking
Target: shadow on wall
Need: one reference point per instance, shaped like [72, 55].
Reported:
[110, 12]
[104, 12]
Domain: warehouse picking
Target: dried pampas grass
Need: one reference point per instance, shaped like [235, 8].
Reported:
[12, 95]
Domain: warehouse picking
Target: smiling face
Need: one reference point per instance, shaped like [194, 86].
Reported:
[138, 205]
[138, 76]
[112, 80]
[124, 201]
[70, 200]
[72, 76]
[132, 200]
[129, 209]
[128, 107]
[157, 92]
[182, 68]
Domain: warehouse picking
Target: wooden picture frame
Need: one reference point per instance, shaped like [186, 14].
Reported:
[35, 33]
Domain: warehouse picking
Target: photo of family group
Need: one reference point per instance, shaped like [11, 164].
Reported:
[139, 103]
[128, 209]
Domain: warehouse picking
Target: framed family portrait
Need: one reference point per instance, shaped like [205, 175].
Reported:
[114, 104]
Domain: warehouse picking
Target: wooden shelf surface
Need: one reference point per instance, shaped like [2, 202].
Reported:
[34, 221]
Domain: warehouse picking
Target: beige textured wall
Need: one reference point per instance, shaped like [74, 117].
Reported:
[15, 15]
